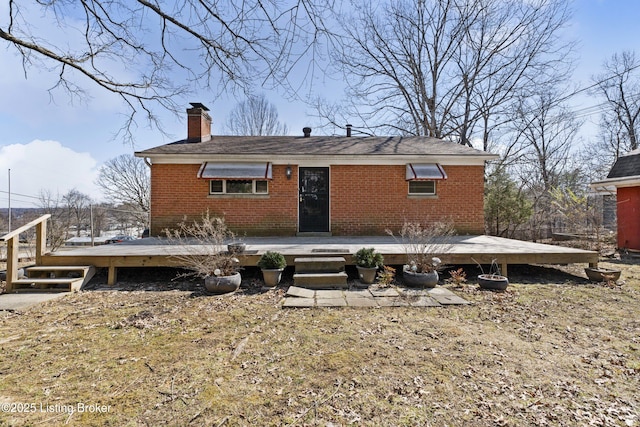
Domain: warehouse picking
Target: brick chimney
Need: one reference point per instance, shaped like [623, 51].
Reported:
[198, 123]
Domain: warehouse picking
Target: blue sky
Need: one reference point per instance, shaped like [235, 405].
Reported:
[57, 145]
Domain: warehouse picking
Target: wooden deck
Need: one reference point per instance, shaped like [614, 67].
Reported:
[154, 252]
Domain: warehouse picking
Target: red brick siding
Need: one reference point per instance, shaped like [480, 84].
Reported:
[629, 217]
[365, 200]
[368, 200]
[176, 192]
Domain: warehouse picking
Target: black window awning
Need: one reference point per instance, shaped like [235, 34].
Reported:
[425, 171]
[213, 170]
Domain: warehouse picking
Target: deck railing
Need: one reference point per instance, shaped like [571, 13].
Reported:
[12, 238]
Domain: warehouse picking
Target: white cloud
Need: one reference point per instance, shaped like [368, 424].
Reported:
[45, 165]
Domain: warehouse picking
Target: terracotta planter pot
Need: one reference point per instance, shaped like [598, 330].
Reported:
[367, 275]
[420, 280]
[272, 276]
[222, 284]
[493, 282]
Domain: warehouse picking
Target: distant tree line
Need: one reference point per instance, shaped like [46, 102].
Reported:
[125, 182]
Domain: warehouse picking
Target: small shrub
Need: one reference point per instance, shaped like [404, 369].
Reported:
[386, 277]
[369, 258]
[204, 247]
[458, 277]
[422, 242]
[271, 260]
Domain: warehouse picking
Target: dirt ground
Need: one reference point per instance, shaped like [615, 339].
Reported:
[554, 349]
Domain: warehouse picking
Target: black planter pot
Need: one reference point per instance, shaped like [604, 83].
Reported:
[493, 282]
[420, 280]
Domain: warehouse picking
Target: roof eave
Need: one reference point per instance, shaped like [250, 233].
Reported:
[625, 181]
[333, 159]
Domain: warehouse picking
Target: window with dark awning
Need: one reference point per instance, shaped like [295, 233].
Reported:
[211, 170]
[425, 171]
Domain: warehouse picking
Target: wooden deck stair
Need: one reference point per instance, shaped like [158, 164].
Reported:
[320, 273]
[54, 278]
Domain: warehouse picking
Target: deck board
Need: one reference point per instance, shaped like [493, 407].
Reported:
[156, 252]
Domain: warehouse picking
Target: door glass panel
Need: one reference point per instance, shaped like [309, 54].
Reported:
[314, 200]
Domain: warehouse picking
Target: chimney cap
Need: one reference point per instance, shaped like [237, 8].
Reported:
[199, 105]
[306, 131]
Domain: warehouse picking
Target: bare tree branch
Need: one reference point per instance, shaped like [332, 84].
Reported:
[152, 53]
[449, 69]
[619, 84]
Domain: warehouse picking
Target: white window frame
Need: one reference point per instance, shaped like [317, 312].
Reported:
[224, 187]
[434, 193]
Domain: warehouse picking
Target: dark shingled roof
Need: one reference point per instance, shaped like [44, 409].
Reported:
[628, 165]
[314, 146]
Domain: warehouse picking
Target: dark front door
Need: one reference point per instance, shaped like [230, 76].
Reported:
[313, 209]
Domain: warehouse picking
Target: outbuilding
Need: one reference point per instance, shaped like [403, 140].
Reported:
[318, 185]
[624, 180]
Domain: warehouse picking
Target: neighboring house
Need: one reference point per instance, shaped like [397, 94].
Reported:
[624, 180]
[339, 185]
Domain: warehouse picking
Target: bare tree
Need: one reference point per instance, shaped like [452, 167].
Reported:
[125, 180]
[101, 218]
[619, 84]
[151, 53]
[599, 155]
[59, 223]
[255, 116]
[77, 206]
[449, 68]
[544, 132]
[506, 206]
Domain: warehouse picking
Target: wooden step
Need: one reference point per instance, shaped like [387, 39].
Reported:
[321, 280]
[54, 278]
[60, 284]
[44, 271]
[319, 264]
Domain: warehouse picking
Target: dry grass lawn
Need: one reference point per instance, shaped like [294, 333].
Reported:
[552, 350]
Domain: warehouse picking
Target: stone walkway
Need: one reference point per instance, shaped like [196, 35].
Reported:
[373, 297]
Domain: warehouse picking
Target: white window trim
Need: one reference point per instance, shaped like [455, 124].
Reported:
[224, 188]
[435, 189]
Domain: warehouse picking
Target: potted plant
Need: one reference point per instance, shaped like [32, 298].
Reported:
[421, 273]
[201, 249]
[421, 245]
[601, 274]
[236, 247]
[367, 262]
[493, 281]
[272, 264]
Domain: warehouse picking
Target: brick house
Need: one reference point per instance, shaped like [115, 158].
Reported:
[624, 180]
[338, 185]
